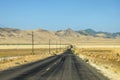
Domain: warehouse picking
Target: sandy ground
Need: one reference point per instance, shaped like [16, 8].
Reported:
[21, 60]
[111, 74]
[97, 46]
[106, 70]
[30, 46]
[106, 60]
[16, 55]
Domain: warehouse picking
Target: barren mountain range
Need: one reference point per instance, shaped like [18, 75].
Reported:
[68, 36]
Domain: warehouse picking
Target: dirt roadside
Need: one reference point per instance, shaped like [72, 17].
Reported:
[21, 61]
[105, 60]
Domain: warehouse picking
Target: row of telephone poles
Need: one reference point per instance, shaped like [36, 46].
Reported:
[49, 45]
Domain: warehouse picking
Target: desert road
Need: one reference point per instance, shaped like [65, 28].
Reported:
[66, 66]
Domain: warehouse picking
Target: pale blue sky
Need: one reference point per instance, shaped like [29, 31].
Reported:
[101, 15]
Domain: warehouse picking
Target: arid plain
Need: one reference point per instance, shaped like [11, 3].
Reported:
[100, 50]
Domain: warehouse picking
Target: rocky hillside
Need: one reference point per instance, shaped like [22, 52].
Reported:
[16, 36]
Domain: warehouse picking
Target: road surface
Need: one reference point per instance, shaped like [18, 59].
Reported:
[66, 66]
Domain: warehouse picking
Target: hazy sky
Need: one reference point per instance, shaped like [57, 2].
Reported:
[101, 15]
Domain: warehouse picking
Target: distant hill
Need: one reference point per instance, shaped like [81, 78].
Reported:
[17, 36]
[94, 33]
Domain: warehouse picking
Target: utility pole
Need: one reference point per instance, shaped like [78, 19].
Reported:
[49, 46]
[60, 44]
[32, 42]
[56, 46]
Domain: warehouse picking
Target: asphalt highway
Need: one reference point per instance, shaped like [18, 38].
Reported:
[66, 66]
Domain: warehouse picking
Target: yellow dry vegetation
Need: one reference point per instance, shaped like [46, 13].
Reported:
[22, 52]
[24, 56]
[21, 61]
[105, 57]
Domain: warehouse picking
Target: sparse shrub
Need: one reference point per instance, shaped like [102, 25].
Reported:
[117, 54]
[25, 61]
[86, 60]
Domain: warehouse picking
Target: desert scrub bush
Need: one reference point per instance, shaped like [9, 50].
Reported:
[86, 59]
[118, 54]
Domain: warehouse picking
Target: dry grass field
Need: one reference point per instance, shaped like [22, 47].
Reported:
[16, 55]
[17, 61]
[12, 58]
[107, 60]
[22, 52]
